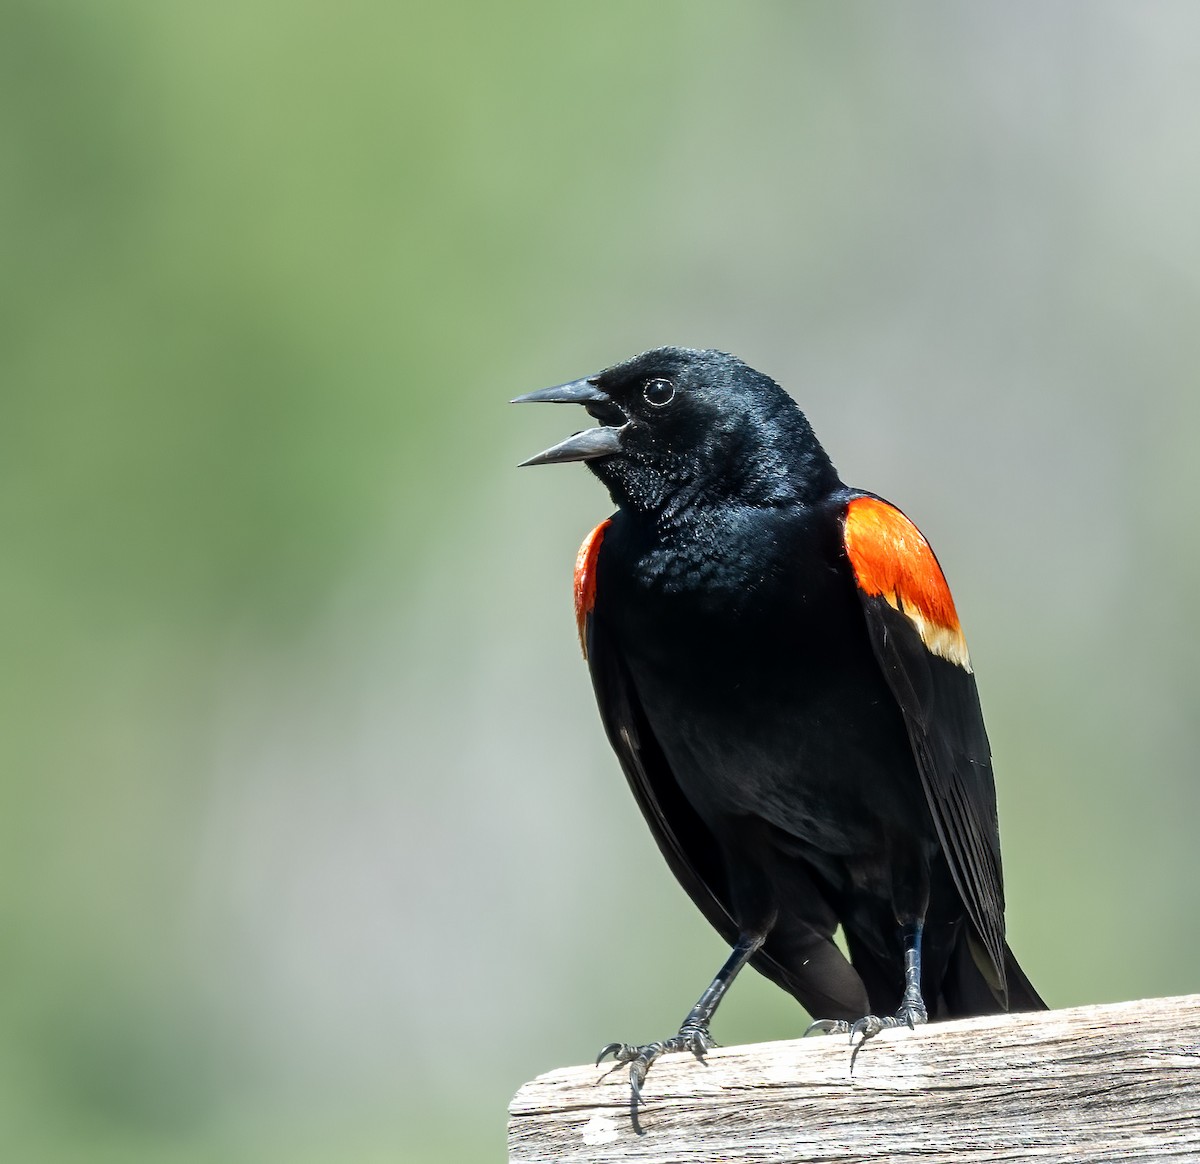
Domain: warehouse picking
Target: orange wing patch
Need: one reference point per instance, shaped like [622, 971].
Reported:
[893, 561]
[585, 580]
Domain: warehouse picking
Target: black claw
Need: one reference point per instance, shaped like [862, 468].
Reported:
[854, 1055]
[635, 1083]
[640, 1059]
[827, 1027]
[609, 1049]
[868, 1026]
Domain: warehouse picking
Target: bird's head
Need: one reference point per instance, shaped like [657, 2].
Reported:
[681, 427]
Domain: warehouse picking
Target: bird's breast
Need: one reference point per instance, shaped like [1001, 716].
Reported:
[752, 661]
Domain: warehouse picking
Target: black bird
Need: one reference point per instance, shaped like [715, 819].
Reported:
[780, 669]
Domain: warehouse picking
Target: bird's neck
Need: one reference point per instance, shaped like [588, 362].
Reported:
[674, 496]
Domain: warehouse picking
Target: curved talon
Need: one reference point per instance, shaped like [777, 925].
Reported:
[870, 1025]
[612, 1049]
[640, 1059]
[827, 1027]
[637, 1076]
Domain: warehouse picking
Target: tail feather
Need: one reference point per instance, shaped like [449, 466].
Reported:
[966, 992]
[1021, 994]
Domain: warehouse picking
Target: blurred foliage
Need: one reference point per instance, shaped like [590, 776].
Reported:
[311, 846]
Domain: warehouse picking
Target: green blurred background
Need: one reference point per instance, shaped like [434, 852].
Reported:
[311, 846]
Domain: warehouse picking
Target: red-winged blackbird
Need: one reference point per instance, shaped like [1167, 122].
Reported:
[781, 672]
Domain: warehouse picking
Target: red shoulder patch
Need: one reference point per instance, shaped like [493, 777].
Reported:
[893, 561]
[585, 580]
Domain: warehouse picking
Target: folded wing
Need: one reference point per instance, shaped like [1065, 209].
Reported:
[919, 643]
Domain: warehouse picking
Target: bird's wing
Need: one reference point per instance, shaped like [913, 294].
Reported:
[684, 839]
[917, 639]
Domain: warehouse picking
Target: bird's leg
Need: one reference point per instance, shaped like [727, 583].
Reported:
[911, 1013]
[693, 1032]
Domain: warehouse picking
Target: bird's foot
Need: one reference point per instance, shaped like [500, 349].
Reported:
[911, 1015]
[690, 1038]
[871, 1024]
[827, 1027]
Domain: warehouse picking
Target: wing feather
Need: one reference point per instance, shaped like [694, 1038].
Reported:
[918, 641]
[684, 840]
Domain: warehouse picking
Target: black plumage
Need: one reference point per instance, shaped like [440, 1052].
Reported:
[780, 671]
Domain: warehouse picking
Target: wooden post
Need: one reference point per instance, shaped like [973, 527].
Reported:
[1113, 1083]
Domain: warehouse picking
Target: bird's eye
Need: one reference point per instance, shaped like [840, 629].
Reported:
[658, 393]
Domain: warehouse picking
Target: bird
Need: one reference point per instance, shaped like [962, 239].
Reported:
[780, 669]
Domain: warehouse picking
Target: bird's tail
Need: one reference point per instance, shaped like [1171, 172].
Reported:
[1021, 994]
[966, 992]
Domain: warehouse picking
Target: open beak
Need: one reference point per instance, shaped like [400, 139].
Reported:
[602, 441]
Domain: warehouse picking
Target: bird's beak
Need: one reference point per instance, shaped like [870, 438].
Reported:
[602, 441]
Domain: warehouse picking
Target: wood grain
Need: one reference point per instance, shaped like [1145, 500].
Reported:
[1096, 1083]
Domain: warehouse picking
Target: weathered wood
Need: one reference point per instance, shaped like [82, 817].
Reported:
[1098, 1083]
